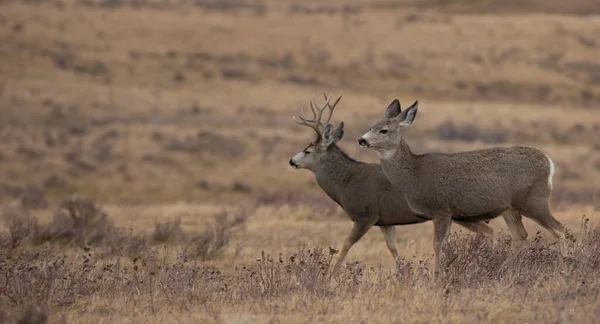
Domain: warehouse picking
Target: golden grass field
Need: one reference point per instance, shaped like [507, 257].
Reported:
[144, 151]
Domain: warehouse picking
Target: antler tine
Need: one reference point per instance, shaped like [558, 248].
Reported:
[331, 107]
[319, 109]
[314, 112]
[304, 116]
[302, 120]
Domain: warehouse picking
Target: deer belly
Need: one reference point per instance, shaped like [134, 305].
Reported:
[466, 208]
[483, 203]
[460, 216]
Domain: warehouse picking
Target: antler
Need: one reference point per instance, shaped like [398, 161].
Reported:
[315, 123]
[331, 107]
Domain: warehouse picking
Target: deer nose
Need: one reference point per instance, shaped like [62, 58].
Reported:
[362, 142]
[292, 162]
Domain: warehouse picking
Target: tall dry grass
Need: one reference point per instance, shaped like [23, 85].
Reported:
[46, 281]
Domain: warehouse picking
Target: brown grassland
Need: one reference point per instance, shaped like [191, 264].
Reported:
[144, 149]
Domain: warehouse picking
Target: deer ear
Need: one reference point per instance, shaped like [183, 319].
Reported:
[409, 114]
[393, 110]
[332, 134]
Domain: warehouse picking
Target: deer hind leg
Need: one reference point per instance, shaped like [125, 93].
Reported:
[358, 230]
[480, 228]
[538, 210]
[441, 230]
[389, 233]
[514, 221]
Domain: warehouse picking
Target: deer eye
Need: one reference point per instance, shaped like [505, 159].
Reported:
[383, 131]
[307, 152]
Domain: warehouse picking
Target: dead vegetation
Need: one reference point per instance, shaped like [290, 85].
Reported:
[81, 223]
[50, 278]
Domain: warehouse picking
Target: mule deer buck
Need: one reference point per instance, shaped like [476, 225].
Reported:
[361, 189]
[467, 186]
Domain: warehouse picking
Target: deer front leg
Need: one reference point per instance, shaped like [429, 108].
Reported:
[389, 233]
[441, 229]
[358, 230]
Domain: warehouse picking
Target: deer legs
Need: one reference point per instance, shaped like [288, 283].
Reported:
[441, 229]
[358, 230]
[514, 221]
[538, 209]
[389, 233]
[479, 228]
[441, 226]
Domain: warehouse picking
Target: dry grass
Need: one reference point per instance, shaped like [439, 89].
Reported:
[173, 118]
[481, 283]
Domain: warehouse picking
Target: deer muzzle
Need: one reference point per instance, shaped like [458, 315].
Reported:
[363, 142]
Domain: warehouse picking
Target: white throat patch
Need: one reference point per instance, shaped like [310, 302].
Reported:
[386, 155]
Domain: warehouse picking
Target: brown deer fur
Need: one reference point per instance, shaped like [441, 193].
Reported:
[467, 186]
[361, 189]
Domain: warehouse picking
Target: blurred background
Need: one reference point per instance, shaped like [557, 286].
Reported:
[163, 101]
[176, 114]
[166, 101]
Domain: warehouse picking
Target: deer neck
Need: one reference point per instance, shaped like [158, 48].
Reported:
[335, 171]
[399, 164]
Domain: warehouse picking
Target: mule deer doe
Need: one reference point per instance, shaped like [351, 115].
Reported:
[474, 185]
[361, 189]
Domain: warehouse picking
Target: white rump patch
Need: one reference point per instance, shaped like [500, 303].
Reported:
[551, 171]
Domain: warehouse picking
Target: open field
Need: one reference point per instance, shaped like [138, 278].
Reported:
[174, 117]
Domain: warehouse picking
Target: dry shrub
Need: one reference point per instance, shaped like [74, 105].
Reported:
[80, 222]
[77, 221]
[210, 244]
[124, 242]
[306, 272]
[471, 261]
[410, 272]
[470, 258]
[167, 231]
[20, 225]
[50, 280]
